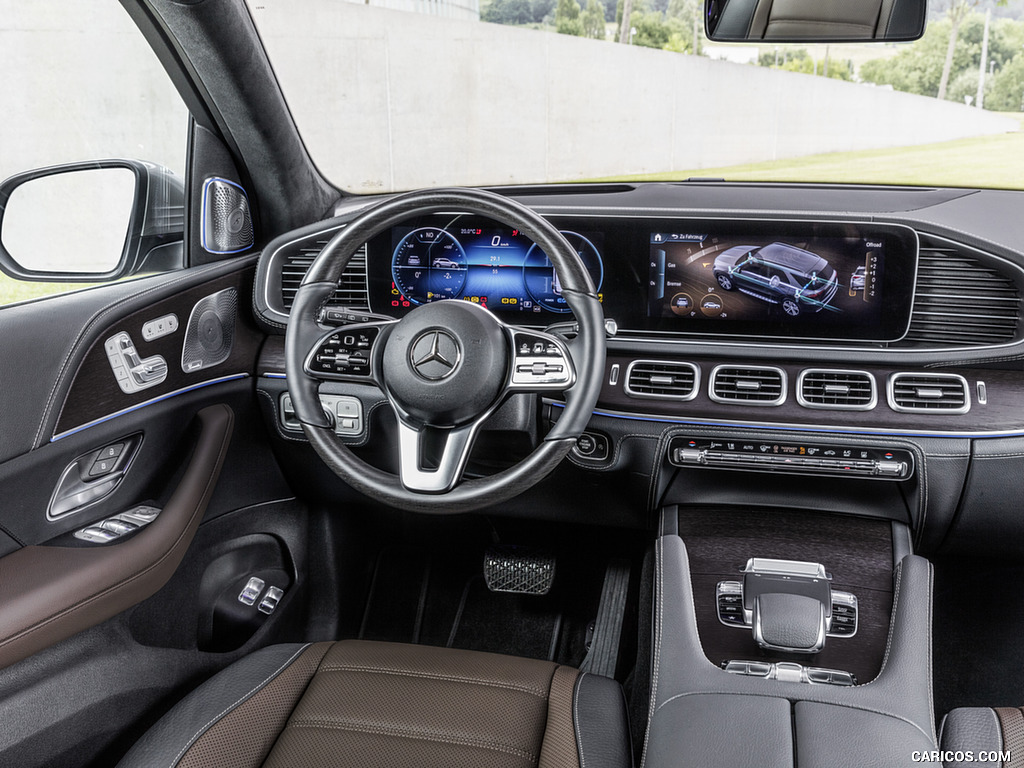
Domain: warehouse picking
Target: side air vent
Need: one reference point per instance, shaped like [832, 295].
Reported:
[836, 390]
[929, 393]
[748, 385]
[960, 301]
[662, 379]
[352, 290]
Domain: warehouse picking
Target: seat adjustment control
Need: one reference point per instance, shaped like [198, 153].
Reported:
[132, 372]
[251, 591]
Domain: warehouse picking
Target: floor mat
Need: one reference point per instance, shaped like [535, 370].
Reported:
[439, 597]
[978, 637]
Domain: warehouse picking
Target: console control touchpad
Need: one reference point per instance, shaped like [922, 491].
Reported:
[789, 605]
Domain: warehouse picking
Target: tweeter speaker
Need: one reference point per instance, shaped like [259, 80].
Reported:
[227, 223]
[210, 331]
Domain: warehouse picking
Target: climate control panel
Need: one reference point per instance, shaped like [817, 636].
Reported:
[836, 459]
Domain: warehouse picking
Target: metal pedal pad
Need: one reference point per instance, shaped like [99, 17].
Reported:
[508, 568]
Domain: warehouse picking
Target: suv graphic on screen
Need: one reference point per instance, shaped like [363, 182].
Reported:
[797, 280]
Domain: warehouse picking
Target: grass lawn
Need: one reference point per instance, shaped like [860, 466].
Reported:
[987, 161]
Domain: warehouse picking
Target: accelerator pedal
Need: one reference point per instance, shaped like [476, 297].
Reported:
[522, 570]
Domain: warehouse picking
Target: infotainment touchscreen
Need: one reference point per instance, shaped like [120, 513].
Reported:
[783, 279]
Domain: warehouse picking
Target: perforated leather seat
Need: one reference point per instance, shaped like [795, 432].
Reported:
[366, 704]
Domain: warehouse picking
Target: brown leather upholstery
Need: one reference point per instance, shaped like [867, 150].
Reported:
[356, 703]
[49, 593]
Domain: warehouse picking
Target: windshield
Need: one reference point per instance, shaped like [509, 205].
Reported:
[536, 91]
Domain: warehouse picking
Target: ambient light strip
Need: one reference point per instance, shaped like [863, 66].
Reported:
[167, 396]
[765, 425]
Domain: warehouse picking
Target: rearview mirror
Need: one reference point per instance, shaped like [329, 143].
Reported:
[811, 21]
[91, 222]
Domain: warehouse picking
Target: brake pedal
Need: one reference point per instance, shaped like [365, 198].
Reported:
[522, 570]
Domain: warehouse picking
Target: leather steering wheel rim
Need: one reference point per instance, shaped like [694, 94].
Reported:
[587, 352]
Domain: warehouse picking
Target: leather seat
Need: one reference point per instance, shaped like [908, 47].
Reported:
[366, 704]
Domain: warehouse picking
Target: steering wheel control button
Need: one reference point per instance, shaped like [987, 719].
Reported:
[435, 355]
[344, 353]
[162, 326]
[592, 446]
[270, 600]
[540, 361]
[251, 591]
[132, 372]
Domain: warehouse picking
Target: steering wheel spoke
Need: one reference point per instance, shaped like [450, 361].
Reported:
[431, 459]
[541, 362]
[348, 353]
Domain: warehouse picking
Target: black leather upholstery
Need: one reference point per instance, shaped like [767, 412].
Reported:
[601, 723]
[892, 716]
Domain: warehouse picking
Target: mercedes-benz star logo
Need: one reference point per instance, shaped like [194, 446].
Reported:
[435, 355]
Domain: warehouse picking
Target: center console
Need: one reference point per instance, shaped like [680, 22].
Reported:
[784, 638]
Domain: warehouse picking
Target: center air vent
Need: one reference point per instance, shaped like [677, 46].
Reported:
[836, 390]
[961, 301]
[662, 379]
[929, 393]
[352, 291]
[748, 385]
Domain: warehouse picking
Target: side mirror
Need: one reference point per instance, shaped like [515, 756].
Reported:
[91, 222]
[814, 21]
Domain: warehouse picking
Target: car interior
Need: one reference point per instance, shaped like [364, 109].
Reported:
[525, 475]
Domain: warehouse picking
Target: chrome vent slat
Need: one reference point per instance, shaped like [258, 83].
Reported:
[748, 385]
[935, 393]
[959, 301]
[352, 293]
[662, 379]
[836, 390]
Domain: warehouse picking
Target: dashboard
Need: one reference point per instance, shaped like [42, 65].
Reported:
[756, 327]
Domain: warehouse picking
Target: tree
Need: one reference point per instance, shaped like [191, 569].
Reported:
[508, 12]
[593, 20]
[541, 10]
[958, 10]
[567, 18]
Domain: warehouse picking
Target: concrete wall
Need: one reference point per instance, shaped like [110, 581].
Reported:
[400, 101]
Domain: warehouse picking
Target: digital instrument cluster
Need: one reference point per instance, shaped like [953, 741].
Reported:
[496, 267]
[802, 280]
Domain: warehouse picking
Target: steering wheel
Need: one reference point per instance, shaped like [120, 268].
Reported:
[445, 367]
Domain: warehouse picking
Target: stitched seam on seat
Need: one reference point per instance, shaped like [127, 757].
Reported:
[408, 733]
[576, 719]
[659, 589]
[240, 701]
[434, 676]
[858, 707]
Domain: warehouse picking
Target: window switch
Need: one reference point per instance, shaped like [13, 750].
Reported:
[120, 527]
